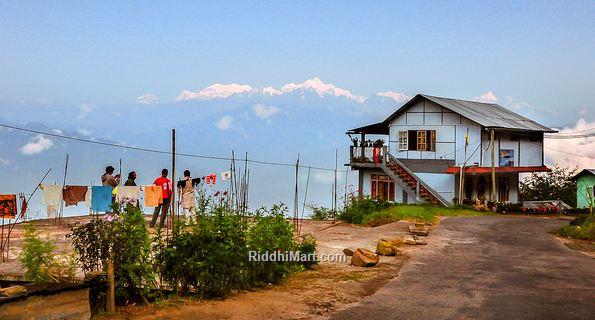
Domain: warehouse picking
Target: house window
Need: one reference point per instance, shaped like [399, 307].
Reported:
[506, 158]
[418, 140]
[383, 187]
[403, 140]
[421, 140]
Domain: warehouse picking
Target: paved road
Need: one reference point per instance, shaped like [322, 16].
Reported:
[488, 268]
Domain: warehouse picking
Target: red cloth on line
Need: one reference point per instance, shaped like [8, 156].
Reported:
[166, 185]
[376, 155]
[8, 206]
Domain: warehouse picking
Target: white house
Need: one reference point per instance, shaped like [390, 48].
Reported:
[430, 141]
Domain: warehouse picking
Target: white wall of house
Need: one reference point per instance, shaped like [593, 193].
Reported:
[527, 152]
[444, 184]
[450, 127]
[513, 186]
[366, 175]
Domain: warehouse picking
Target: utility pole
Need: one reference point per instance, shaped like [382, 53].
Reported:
[492, 157]
[295, 196]
[335, 186]
[173, 176]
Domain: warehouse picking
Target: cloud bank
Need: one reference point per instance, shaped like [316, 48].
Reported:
[37, 145]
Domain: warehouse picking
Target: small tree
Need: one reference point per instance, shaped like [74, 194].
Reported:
[554, 185]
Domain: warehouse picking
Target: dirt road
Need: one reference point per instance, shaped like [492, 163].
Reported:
[488, 268]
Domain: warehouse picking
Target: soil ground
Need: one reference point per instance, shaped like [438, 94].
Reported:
[313, 294]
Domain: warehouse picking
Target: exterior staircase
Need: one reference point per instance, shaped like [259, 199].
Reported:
[399, 172]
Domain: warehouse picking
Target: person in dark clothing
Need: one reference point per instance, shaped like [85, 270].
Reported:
[166, 186]
[131, 182]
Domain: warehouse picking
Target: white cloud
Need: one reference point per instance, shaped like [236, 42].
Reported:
[397, 96]
[84, 132]
[147, 98]
[488, 97]
[322, 89]
[57, 131]
[565, 151]
[215, 91]
[264, 111]
[224, 123]
[84, 109]
[4, 161]
[37, 145]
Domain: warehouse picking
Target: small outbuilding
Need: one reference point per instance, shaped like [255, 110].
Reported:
[585, 183]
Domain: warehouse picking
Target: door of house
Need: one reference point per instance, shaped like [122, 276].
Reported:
[503, 189]
[405, 197]
[383, 187]
[481, 188]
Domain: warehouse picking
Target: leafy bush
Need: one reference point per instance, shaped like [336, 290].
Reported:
[40, 263]
[359, 208]
[210, 258]
[320, 212]
[554, 185]
[308, 246]
[582, 227]
[124, 238]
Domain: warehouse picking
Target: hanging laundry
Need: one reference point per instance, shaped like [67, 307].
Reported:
[52, 210]
[182, 183]
[225, 175]
[213, 178]
[52, 197]
[8, 206]
[208, 179]
[72, 195]
[23, 206]
[128, 193]
[153, 196]
[101, 199]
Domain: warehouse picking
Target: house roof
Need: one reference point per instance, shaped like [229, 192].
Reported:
[584, 172]
[489, 115]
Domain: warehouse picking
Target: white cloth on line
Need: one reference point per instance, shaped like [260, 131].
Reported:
[52, 195]
[128, 193]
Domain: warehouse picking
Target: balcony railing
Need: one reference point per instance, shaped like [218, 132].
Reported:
[365, 154]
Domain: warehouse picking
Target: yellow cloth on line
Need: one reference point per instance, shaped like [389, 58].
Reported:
[153, 196]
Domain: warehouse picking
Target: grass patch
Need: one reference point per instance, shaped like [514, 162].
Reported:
[582, 228]
[416, 213]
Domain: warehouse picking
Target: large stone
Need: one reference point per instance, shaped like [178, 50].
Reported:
[410, 240]
[419, 231]
[385, 248]
[348, 252]
[13, 291]
[364, 258]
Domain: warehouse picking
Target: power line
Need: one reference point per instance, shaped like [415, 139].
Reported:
[573, 154]
[156, 151]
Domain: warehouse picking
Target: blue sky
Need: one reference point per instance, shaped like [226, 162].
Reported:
[107, 52]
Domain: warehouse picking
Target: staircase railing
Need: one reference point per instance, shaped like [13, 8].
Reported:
[388, 158]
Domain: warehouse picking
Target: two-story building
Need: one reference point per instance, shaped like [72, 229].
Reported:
[434, 145]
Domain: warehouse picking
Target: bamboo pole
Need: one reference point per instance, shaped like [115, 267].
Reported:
[492, 157]
[295, 195]
[63, 186]
[173, 176]
[304, 203]
[335, 185]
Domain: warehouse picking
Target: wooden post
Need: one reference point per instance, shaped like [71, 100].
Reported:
[110, 304]
[335, 186]
[63, 185]
[173, 176]
[295, 198]
[120, 173]
[492, 158]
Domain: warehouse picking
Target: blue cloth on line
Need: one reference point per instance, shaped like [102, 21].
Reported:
[101, 198]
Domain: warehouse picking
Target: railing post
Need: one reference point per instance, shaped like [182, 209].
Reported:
[417, 189]
[350, 154]
[384, 155]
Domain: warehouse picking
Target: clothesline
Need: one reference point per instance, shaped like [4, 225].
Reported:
[108, 144]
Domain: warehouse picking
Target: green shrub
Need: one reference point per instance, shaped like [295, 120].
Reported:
[582, 228]
[308, 246]
[358, 209]
[320, 212]
[270, 232]
[125, 240]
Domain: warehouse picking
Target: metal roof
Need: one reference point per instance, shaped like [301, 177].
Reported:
[584, 172]
[489, 115]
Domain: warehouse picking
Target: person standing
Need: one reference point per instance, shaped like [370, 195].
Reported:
[131, 182]
[186, 194]
[108, 180]
[163, 207]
